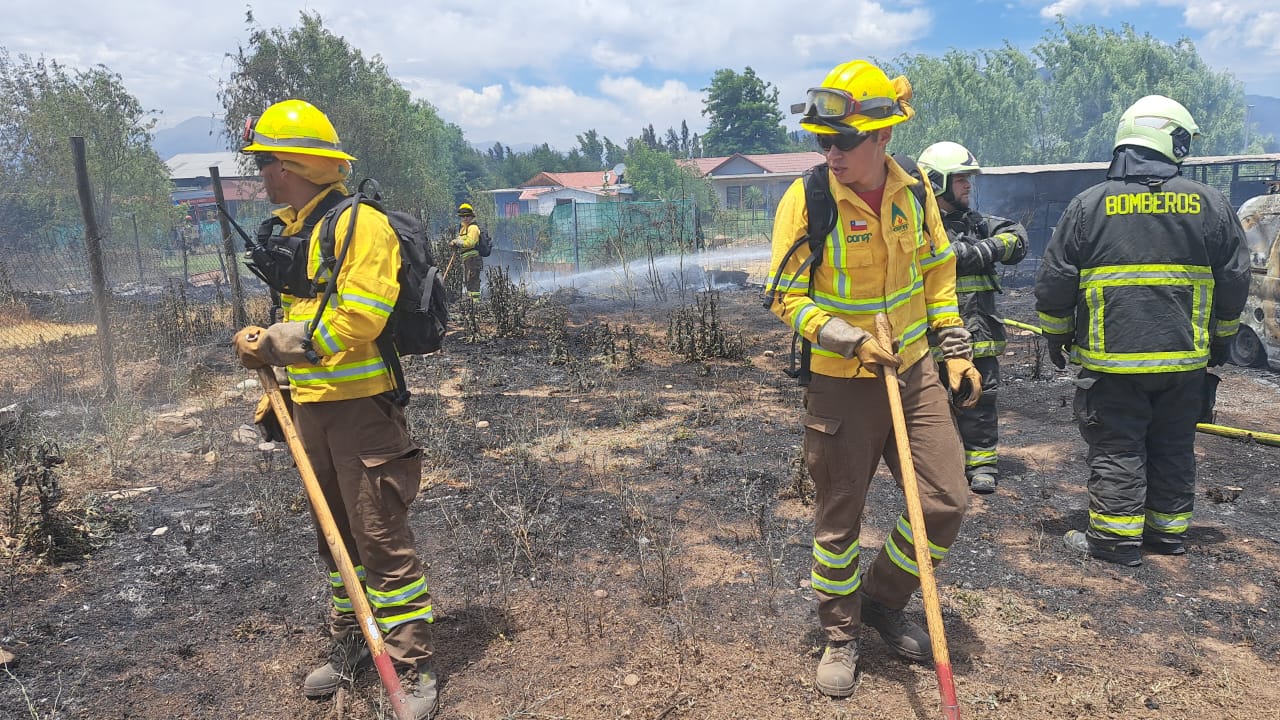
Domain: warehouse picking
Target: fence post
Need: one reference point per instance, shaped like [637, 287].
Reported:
[577, 267]
[230, 268]
[93, 246]
[137, 245]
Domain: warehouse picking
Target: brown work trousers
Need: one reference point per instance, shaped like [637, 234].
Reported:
[369, 470]
[848, 429]
[474, 265]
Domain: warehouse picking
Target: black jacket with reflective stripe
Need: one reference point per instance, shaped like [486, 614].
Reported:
[1143, 273]
[977, 281]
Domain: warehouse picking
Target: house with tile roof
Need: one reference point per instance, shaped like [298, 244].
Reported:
[735, 175]
[544, 191]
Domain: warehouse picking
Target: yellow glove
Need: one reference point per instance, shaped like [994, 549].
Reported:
[965, 382]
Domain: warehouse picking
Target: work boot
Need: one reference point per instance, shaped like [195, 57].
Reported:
[346, 658]
[1126, 556]
[983, 483]
[905, 637]
[419, 685]
[835, 676]
[1164, 545]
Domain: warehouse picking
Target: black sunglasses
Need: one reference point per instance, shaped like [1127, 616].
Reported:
[263, 159]
[844, 143]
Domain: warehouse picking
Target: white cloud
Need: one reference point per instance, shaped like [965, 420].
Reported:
[504, 69]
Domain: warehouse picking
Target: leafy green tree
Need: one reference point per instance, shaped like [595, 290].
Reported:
[1095, 74]
[743, 115]
[988, 100]
[45, 104]
[655, 175]
[400, 141]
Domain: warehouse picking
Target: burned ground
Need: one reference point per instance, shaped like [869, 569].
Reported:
[627, 537]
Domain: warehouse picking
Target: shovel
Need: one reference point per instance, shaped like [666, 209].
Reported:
[360, 603]
[928, 586]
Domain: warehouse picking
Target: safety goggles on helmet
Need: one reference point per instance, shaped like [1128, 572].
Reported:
[835, 105]
[843, 142]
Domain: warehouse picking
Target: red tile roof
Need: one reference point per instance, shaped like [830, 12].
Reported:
[782, 163]
[579, 180]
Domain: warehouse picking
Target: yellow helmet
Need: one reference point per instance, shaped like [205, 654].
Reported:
[855, 98]
[294, 126]
[465, 209]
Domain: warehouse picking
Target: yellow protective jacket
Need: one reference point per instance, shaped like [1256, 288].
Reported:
[872, 263]
[468, 239]
[350, 364]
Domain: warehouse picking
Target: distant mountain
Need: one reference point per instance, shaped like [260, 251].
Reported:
[194, 135]
[1264, 120]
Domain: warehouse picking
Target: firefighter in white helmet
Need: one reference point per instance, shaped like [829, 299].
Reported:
[981, 243]
[1142, 285]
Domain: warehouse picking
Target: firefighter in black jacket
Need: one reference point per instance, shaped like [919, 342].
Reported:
[1142, 284]
[979, 242]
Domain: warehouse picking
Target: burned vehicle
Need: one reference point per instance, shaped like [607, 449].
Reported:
[1258, 342]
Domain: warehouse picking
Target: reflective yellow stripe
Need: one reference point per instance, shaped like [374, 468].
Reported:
[1055, 325]
[1121, 525]
[1172, 523]
[833, 560]
[836, 587]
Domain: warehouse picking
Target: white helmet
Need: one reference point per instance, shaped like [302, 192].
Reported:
[941, 160]
[1159, 123]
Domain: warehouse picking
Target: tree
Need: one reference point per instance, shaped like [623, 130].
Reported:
[743, 115]
[400, 141]
[1062, 102]
[655, 175]
[990, 101]
[45, 104]
[1095, 74]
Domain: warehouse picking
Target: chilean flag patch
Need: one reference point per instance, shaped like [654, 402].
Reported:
[857, 226]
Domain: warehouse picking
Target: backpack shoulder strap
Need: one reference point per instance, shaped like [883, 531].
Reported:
[820, 206]
[906, 162]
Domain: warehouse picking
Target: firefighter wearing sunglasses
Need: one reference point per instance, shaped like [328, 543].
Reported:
[886, 254]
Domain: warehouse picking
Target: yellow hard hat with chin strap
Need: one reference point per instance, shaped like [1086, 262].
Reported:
[855, 98]
[293, 126]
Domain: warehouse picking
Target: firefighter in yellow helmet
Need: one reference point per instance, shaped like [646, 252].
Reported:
[467, 243]
[886, 254]
[354, 433]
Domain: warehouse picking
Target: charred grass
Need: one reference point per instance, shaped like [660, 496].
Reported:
[617, 524]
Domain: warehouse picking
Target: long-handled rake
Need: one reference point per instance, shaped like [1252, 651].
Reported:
[355, 589]
[928, 585]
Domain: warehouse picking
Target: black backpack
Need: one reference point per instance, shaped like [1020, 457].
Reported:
[421, 314]
[821, 207]
[485, 246]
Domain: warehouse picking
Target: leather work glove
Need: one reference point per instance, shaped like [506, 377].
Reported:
[456, 243]
[1059, 345]
[281, 344]
[840, 337]
[964, 380]
[955, 342]
[264, 416]
[1220, 351]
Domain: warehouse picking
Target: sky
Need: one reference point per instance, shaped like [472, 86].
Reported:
[528, 72]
